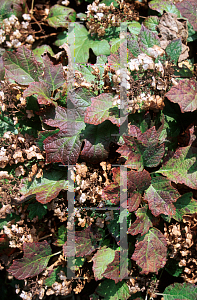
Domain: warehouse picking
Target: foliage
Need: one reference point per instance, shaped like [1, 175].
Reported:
[135, 106]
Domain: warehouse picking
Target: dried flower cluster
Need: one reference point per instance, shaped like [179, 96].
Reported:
[20, 234]
[18, 149]
[97, 22]
[181, 238]
[13, 34]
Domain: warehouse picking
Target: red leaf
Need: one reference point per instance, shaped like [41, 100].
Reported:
[84, 244]
[41, 89]
[150, 253]
[185, 94]
[35, 260]
[188, 9]
[142, 149]
[160, 196]
[113, 268]
[142, 223]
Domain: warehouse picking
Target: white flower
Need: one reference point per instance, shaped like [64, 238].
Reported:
[134, 64]
[159, 67]
[17, 34]
[25, 24]
[27, 17]
[9, 44]
[100, 15]
[12, 19]
[16, 43]
[30, 39]
[65, 2]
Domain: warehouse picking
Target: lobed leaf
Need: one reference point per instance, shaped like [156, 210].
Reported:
[59, 16]
[182, 167]
[35, 260]
[102, 109]
[22, 66]
[81, 41]
[53, 74]
[166, 5]
[147, 38]
[174, 49]
[150, 253]
[41, 90]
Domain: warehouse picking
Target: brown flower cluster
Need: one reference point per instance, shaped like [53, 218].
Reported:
[99, 16]
[182, 240]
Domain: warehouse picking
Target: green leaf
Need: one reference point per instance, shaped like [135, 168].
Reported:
[101, 259]
[108, 2]
[151, 23]
[52, 278]
[6, 124]
[86, 71]
[174, 50]
[36, 209]
[180, 291]
[134, 27]
[112, 291]
[147, 39]
[62, 236]
[45, 188]
[80, 42]
[22, 66]
[59, 16]
[172, 267]
[182, 167]
[8, 8]
[38, 51]
[35, 260]
[166, 5]
[185, 205]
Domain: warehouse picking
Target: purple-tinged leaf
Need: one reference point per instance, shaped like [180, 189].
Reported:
[59, 16]
[45, 188]
[114, 61]
[41, 90]
[53, 74]
[188, 9]
[102, 109]
[81, 99]
[35, 260]
[185, 94]
[142, 149]
[150, 253]
[134, 201]
[22, 66]
[160, 196]
[97, 141]
[147, 38]
[103, 257]
[65, 145]
[85, 241]
[182, 167]
[166, 5]
[142, 223]
[108, 289]
[113, 268]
